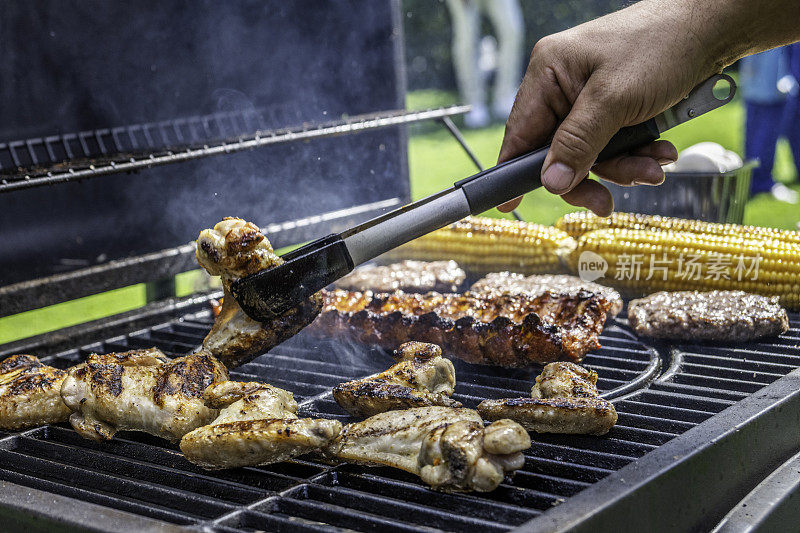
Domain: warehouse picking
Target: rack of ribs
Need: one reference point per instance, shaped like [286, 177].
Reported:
[509, 330]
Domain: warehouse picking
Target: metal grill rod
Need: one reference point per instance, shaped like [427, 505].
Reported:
[260, 138]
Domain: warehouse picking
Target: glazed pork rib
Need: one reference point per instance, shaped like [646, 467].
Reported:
[234, 249]
[532, 286]
[408, 276]
[257, 425]
[30, 393]
[504, 330]
[140, 390]
[448, 448]
[421, 378]
[564, 399]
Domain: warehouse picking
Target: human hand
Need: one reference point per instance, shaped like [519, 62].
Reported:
[582, 85]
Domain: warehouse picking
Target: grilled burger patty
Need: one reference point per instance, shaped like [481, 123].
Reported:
[512, 283]
[713, 316]
[408, 276]
[504, 330]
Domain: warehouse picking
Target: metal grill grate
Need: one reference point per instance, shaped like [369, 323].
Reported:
[56, 159]
[660, 394]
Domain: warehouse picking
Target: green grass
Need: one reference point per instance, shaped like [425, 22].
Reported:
[435, 161]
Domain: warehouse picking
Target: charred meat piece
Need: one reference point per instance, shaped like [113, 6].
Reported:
[257, 425]
[421, 377]
[532, 286]
[564, 399]
[234, 249]
[450, 449]
[30, 393]
[407, 276]
[733, 316]
[140, 390]
[504, 330]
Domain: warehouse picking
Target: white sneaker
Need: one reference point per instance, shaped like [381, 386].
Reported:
[782, 193]
[478, 117]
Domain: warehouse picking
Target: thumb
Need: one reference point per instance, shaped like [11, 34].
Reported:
[581, 136]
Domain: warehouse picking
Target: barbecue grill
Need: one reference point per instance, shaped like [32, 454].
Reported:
[706, 433]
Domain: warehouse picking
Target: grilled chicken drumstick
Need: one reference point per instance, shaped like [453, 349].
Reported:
[421, 377]
[564, 399]
[257, 424]
[140, 390]
[30, 393]
[450, 449]
[234, 249]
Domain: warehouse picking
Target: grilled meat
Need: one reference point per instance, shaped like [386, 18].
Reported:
[505, 330]
[448, 448]
[234, 249]
[421, 377]
[564, 399]
[532, 286]
[30, 393]
[257, 425]
[733, 316]
[140, 390]
[408, 276]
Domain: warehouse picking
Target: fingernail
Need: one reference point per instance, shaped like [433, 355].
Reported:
[558, 177]
[665, 161]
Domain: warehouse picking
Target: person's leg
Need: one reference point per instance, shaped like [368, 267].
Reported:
[509, 28]
[466, 34]
[791, 127]
[762, 128]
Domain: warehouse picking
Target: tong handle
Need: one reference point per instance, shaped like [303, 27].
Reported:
[506, 181]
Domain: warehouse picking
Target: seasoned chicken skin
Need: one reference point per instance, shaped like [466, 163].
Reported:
[421, 377]
[257, 425]
[234, 249]
[141, 390]
[564, 399]
[450, 449]
[30, 393]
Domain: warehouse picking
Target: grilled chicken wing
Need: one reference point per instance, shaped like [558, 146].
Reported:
[30, 393]
[422, 377]
[234, 249]
[450, 449]
[564, 399]
[257, 425]
[140, 390]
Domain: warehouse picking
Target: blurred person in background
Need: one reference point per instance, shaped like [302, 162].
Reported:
[472, 58]
[770, 95]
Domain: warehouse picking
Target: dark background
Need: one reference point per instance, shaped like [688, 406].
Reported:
[81, 65]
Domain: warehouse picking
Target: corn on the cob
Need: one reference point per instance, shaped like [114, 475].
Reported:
[481, 245]
[644, 261]
[578, 223]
